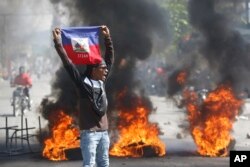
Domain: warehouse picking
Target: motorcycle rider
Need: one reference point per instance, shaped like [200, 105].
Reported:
[22, 79]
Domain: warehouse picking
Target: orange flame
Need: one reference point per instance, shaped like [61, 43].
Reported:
[63, 136]
[136, 132]
[181, 78]
[211, 123]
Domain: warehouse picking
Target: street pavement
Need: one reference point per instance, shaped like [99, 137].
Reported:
[180, 148]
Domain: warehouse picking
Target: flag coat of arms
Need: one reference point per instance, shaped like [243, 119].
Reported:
[82, 44]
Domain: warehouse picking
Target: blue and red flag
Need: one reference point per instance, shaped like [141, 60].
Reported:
[82, 44]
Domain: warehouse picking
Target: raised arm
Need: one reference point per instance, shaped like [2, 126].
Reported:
[109, 52]
[58, 46]
[68, 65]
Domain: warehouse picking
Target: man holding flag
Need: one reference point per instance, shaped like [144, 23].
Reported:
[81, 46]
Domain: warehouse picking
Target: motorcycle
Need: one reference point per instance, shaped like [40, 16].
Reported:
[19, 101]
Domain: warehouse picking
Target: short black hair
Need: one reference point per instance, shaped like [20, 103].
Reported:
[90, 67]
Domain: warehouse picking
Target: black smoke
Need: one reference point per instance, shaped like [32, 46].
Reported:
[220, 45]
[225, 49]
[134, 25]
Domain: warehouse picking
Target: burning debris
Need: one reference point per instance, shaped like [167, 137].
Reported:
[124, 20]
[60, 110]
[213, 100]
[64, 135]
[212, 122]
[137, 136]
[223, 50]
[181, 78]
[177, 81]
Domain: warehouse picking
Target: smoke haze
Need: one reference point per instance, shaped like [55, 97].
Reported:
[133, 25]
[224, 48]
[218, 53]
[24, 29]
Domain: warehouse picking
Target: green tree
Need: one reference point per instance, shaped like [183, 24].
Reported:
[177, 12]
[178, 15]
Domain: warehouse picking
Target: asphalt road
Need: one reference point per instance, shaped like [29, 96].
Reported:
[180, 152]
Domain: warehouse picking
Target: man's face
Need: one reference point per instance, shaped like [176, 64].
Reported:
[100, 72]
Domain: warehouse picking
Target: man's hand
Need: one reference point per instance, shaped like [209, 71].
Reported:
[105, 31]
[56, 33]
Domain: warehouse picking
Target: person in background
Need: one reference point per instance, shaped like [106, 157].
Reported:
[93, 122]
[24, 80]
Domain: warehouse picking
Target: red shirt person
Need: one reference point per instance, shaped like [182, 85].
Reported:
[22, 79]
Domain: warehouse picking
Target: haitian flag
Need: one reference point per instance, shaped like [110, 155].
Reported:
[82, 44]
